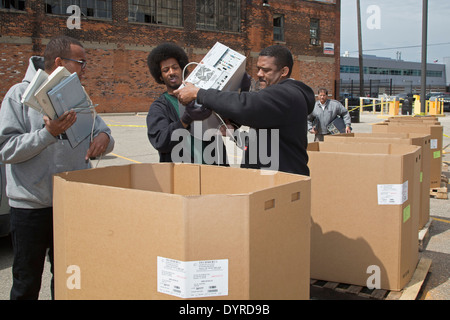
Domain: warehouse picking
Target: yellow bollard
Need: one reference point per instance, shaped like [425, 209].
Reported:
[417, 105]
[360, 106]
[393, 107]
[433, 107]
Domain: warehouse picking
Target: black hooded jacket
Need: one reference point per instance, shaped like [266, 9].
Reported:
[284, 107]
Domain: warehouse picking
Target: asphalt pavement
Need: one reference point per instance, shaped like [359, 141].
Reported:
[132, 146]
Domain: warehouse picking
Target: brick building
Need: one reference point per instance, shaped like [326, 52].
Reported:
[119, 34]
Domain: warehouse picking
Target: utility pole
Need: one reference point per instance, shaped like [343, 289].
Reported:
[423, 91]
[361, 65]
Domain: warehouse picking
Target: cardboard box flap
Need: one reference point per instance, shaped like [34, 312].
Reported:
[414, 118]
[363, 148]
[415, 124]
[416, 139]
[109, 176]
[135, 176]
[186, 179]
[216, 180]
[387, 135]
[216, 227]
[284, 209]
[379, 135]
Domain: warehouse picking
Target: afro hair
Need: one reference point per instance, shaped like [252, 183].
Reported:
[163, 52]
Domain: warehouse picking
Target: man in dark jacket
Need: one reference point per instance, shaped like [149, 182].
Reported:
[278, 112]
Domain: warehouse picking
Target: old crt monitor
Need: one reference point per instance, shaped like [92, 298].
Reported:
[222, 68]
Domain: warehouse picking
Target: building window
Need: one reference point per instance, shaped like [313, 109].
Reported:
[314, 32]
[167, 12]
[278, 27]
[410, 72]
[218, 15]
[89, 8]
[434, 74]
[12, 4]
[349, 69]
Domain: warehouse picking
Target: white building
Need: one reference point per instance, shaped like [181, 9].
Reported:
[390, 76]
[447, 69]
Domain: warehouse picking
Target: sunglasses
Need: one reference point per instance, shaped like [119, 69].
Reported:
[82, 62]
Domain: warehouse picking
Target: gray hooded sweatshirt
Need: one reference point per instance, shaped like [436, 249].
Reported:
[32, 155]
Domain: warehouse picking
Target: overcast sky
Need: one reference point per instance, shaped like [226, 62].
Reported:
[399, 25]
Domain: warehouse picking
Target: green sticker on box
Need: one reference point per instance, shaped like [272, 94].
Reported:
[437, 154]
[406, 213]
[421, 177]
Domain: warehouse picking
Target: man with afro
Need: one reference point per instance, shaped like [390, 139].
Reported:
[166, 64]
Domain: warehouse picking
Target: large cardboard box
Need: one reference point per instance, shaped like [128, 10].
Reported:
[436, 142]
[417, 139]
[364, 225]
[170, 231]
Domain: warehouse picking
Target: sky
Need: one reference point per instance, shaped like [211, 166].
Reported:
[396, 24]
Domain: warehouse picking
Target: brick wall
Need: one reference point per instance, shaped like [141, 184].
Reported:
[13, 64]
[117, 76]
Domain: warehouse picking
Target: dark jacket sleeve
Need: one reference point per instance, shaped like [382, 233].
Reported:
[272, 107]
[162, 121]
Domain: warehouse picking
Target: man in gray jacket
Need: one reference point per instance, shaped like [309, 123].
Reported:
[325, 111]
[34, 148]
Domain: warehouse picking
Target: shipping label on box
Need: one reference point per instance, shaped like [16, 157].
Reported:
[193, 279]
[392, 194]
[433, 143]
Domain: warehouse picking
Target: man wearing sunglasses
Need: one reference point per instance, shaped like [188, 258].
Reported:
[34, 149]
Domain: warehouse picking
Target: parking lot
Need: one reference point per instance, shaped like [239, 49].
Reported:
[132, 146]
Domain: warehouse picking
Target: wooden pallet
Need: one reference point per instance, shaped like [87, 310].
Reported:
[439, 193]
[442, 192]
[412, 289]
[334, 290]
[445, 166]
[424, 235]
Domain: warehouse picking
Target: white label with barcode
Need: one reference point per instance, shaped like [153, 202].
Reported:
[192, 279]
[433, 144]
[392, 194]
